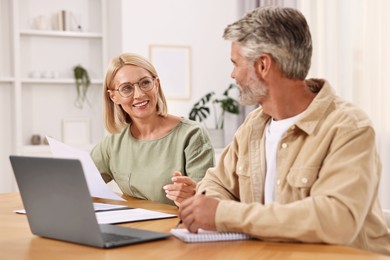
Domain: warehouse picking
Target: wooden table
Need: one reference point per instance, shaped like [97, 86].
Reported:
[17, 242]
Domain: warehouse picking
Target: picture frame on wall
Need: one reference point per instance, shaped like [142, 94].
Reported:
[173, 65]
[76, 131]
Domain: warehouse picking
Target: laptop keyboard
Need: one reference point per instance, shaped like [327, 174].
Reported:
[111, 237]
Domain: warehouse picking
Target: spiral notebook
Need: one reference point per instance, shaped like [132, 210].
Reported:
[207, 236]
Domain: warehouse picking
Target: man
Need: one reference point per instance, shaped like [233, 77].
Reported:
[304, 166]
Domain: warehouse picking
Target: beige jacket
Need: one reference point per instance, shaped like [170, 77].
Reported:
[328, 173]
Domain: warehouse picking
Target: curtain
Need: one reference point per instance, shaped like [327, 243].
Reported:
[351, 41]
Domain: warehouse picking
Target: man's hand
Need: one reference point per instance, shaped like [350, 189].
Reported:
[198, 212]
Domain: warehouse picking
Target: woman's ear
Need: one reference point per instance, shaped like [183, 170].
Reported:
[158, 83]
[113, 97]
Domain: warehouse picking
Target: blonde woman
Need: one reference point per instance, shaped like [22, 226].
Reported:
[149, 153]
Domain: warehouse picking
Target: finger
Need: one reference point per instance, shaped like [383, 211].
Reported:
[176, 173]
[179, 196]
[179, 187]
[185, 207]
[184, 180]
[177, 203]
[181, 193]
[175, 199]
[192, 227]
[169, 187]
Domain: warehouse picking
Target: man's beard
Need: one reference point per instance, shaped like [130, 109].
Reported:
[253, 92]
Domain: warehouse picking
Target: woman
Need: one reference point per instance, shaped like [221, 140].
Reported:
[147, 148]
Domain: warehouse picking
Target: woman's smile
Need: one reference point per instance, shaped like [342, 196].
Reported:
[142, 104]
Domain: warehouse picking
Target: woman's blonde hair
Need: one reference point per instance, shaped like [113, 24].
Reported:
[115, 116]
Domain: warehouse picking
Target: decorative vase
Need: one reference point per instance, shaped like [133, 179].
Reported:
[35, 139]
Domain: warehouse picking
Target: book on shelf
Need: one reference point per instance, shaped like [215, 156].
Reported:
[67, 21]
[61, 20]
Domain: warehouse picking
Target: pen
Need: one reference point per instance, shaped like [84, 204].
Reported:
[181, 221]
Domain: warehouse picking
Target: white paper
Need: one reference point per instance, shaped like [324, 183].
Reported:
[113, 214]
[129, 215]
[106, 207]
[96, 185]
[97, 207]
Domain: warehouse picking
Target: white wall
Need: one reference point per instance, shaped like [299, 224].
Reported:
[6, 181]
[198, 24]
[6, 90]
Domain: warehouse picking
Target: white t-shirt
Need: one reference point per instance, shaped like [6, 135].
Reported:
[273, 134]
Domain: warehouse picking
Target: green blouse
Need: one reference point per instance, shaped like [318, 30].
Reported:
[142, 167]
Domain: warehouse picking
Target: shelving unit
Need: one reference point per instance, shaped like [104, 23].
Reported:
[6, 80]
[56, 81]
[44, 89]
[60, 34]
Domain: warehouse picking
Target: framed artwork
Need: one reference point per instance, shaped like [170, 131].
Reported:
[173, 65]
[76, 131]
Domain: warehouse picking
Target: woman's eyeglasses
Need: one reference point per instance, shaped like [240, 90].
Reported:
[127, 89]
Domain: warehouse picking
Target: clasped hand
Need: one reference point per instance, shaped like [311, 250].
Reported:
[182, 187]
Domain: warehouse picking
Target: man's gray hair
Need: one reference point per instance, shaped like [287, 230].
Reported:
[283, 33]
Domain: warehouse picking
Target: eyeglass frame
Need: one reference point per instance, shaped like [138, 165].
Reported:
[133, 85]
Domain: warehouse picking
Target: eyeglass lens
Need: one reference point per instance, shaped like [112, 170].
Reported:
[145, 84]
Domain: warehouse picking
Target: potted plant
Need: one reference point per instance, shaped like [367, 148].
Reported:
[82, 83]
[201, 111]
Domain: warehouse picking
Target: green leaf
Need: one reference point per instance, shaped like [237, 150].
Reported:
[82, 83]
[199, 114]
[200, 111]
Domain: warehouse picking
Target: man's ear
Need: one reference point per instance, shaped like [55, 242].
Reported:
[263, 64]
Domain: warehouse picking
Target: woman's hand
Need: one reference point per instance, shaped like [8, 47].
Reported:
[182, 187]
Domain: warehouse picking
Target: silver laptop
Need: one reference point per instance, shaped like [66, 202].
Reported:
[59, 206]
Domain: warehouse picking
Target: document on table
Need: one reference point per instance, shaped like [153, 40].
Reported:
[129, 215]
[113, 214]
[98, 207]
[96, 185]
[107, 207]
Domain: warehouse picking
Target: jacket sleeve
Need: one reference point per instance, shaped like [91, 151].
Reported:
[221, 181]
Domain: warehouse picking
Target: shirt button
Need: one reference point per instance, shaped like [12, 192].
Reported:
[284, 145]
[240, 168]
[304, 180]
[278, 181]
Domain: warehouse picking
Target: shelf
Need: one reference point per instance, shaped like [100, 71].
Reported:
[57, 81]
[6, 80]
[65, 34]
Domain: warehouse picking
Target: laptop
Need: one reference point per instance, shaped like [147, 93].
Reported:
[59, 206]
